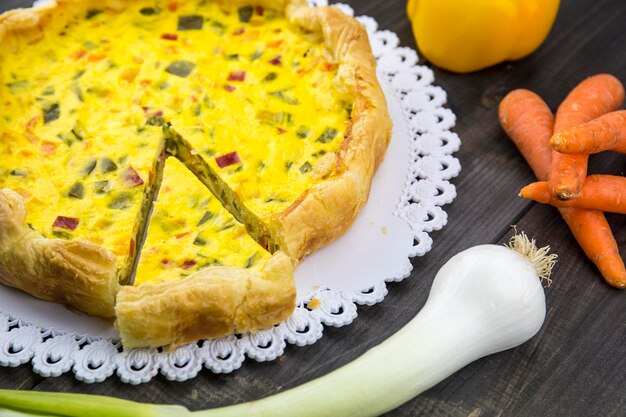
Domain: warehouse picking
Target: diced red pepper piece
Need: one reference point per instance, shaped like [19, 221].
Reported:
[79, 54]
[166, 263]
[275, 44]
[229, 88]
[228, 160]
[148, 111]
[69, 223]
[260, 10]
[281, 130]
[172, 6]
[48, 148]
[239, 31]
[188, 264]
[329, 66]
[32, 122]
[276, 60]
[264, 242]
[131, 177]
[237, 76]
[182, 235]
[96, 57]
[169, 36]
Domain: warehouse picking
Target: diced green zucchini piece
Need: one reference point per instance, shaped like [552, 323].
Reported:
[18, 86]
[67, 138]
[62, 234]
[48, 91]
[198, 241]
[190, 22]
[303, 132]
[19, 172]
[227, 226]
[251, 260]
[78, 92]
[270, 77]
[90, 45]
[282, 95]
[306, 167]
[100, 187]
[79, 131]
[328, 135]
[245, 14]
[150, 11]
[91, 13]
[206, 217]
[77, 191]
[51, 112]
[121, 201]
[89, 167]
[206, 100]
[217, 27]
[106, 165]
[180, 68]
[155, 121]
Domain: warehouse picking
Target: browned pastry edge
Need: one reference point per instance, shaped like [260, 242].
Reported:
[78, 273]
[210, 303]
[329, 208]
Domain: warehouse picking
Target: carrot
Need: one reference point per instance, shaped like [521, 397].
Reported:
[594, 235]
[567, 175]
[600, 192]
[523, 116]
[591, 98]
[605, 133]
[529, 122]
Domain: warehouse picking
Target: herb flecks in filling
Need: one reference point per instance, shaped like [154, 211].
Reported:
[82, 111]
[179, 245]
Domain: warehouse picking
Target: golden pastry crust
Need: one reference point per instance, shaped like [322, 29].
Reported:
[211, 303]
[330, 207]
[216, 301]
[77, 273]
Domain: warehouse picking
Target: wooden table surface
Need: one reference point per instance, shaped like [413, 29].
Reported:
[575, 366]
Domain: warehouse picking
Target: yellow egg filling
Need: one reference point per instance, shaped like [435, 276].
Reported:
[190, 230]
[81, 110]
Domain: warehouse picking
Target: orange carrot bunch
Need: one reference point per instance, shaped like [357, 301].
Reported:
[557, 149]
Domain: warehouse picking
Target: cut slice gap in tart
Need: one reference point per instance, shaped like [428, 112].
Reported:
[199, 274]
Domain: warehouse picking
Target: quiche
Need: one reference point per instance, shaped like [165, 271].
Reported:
[168, 163]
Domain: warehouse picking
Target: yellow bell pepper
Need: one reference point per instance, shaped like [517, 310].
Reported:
[468, 35]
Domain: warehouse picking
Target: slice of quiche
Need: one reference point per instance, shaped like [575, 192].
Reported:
[272, 105]
[199, 274]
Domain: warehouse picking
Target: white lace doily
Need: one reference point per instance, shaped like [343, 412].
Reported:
[404, 207]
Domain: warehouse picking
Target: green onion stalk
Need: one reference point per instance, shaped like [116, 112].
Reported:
[483, 300]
